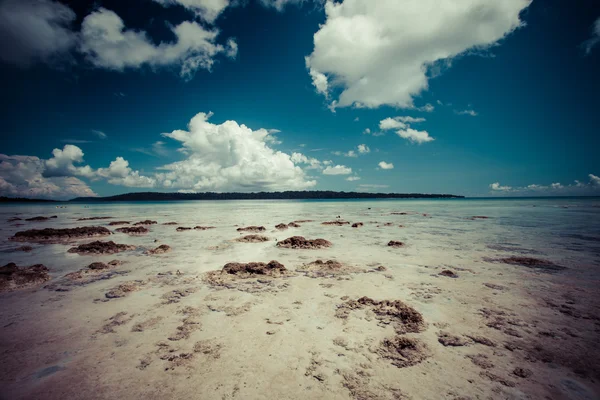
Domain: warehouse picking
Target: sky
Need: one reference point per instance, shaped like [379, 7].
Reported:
[468, 97]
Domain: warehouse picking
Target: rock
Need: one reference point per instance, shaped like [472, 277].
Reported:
[482, 340]
[146, 222]
[448, 273]
[99, 247]
[13, 219]
[254, 268]
[252, 239]
[494, 286]
[481, 360]
[403, 351]
[522, 372]
[170, 223]
[281, 227]
[123, 290]
[395, 243]
[301, 221]
[25, 249]
[162, 249]
[448, 339]
[299, 242]
[293, 225]
[13, 277]
[479, 217]
[252, 229]
[59, 235]
[39, 219]
[357, 224]
[93, 218]
[113, 223]
[203, 228]
[98, 266]
[336, 223]
[403, 317]
[133, 230]
[399, 213]
[183, 228]
[328, 269]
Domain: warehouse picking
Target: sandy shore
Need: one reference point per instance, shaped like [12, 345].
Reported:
[168, 325]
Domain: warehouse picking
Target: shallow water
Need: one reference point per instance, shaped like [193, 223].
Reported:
[566, 231]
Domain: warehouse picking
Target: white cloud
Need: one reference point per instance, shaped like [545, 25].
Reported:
[312, 163]
[35, 31]
[337, 170]
[367, 131]
[391, 123]
[589, 44]
[380, 52]
[279, 5]
[108, 44]
[320, 83]
[576, 188]
[415, 136]
[498, 187]
[384, 165]
[472, 113]
[353, 178]
[356, 119]
[100, 134]
[363, 149]
[119, 173]
[230, 156]
[62, 163]
[22, 176]
[208, 10]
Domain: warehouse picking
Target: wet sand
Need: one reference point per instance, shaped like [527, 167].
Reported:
[447, 315]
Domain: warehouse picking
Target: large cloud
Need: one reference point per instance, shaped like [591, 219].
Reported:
[34, 30]
[108, 44]
[589, 44]
[62, 163]
[208, 10]
[22, 176]
[379, 52]
[119, 173]
[230, 156]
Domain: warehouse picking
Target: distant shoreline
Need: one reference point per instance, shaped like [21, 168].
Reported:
[289, 195]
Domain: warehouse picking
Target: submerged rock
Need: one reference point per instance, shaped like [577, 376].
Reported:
[93, 218]
[336, 223]
[58, 235]
[112, 223]
[329, 268]
[183, 228]
[13, 277]
[99, 247]
[146, 222]
[254, 268]
[203, 228]
[39, 219]
[448, 339]
[123, 289]
[448, 273]
[281, 227]
[252, 239]
[162, 249]
[133, 230]
[170, 223]
[252, 229]
[96, 271]
[299, 242]
[25, 249]
[357, 224]
[395, 243]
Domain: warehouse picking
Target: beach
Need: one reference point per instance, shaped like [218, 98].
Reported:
[404, 299]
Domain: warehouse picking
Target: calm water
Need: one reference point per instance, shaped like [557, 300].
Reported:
[565, 230]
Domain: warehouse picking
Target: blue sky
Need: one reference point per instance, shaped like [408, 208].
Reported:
[461, 96]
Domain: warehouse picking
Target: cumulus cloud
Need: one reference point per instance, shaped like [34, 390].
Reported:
[497, 187]
[230, 156]
[35, 31]
[415, 136]
[108, 44]
[589, 44]
[363, 149]
[119, 173]
[208, 10]
[353, 178]
[310, 162]
[384, 165]
[382, 52]
[337, 170]
[62, 163]
[556, 188]
[22, 176]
